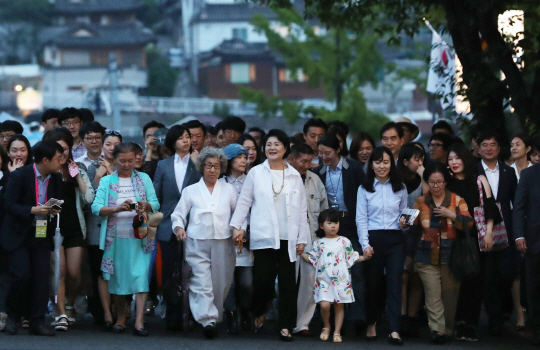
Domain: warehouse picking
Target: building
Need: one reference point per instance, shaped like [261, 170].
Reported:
[76, 51]
[237, 62]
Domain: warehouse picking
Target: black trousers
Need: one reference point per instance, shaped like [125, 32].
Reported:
[498, 269]
[169, 257]
[389, 255]
[532, 268]
[95, 255]
[469, 305]
[30, 270]
[268, 264]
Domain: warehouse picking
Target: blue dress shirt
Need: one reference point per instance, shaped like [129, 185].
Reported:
[379, 210]
[334, 186]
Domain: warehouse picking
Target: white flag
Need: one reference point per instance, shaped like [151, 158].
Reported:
[442, 70]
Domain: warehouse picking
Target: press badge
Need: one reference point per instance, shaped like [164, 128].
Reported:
[41, 228]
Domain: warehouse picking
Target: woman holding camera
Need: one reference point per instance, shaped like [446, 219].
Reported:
[121, 200]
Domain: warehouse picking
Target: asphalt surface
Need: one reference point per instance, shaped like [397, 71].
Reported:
[86, 336]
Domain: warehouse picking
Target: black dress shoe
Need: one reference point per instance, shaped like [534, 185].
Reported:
[209, 332]
[119, 329]
[41, 330]
[394, 341]
[11, 326]
[285, 337]
[437, 338]
[141, 332]
[232, 322]
[108, 326]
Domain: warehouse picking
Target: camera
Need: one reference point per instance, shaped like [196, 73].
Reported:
[133, 206]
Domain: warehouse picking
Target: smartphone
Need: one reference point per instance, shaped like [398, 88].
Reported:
[56, 207]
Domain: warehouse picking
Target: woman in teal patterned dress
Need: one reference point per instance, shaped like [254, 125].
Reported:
[126, 259]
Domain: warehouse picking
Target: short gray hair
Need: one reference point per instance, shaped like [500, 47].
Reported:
[211, 152]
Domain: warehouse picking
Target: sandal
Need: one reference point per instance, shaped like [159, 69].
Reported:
[337, 338]
[325, 334]
[70, 311]
[61, 323]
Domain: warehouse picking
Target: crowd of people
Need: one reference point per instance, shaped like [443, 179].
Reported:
[328, 224]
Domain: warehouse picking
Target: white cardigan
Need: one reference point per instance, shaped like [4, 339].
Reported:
[257, 194]
[209, 213]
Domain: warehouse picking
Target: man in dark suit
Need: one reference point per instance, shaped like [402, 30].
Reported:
[499, 267]
[527, 238]
[342, 177]
[26, 236]
[172, 176]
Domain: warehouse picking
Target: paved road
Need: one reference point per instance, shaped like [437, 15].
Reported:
[85, 336]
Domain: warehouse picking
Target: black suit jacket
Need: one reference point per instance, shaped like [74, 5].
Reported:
[526, 209]
[353, 177]
[505, 195]
[19, 198]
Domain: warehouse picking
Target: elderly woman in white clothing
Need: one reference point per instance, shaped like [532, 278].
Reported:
[209, 205]
[275, 193]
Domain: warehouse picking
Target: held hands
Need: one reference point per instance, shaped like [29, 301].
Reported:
[238, 235]
[368, 253]
[180, 233]
[444, 213]
[300, 248]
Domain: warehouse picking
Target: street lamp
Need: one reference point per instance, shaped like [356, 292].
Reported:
[18, 88]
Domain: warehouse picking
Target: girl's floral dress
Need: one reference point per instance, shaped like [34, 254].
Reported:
[333, 258]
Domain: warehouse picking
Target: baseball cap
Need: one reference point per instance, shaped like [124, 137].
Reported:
[234, 150]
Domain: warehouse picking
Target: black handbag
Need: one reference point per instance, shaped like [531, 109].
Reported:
[464, 258]
[176, 290]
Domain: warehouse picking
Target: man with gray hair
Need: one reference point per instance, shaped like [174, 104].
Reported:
[300, 158]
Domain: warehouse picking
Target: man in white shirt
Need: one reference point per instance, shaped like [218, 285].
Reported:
[70, 119]
[501, 267]
[91, 135]
[300, 158]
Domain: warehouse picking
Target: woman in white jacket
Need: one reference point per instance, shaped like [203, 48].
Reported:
[209, 205]
[275, 193]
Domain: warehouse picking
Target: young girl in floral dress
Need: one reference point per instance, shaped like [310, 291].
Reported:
[332, 256]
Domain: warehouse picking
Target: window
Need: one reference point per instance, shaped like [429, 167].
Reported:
[286, 76]
[239, 33]
[99, 58]
[76, 58]
[240, 73]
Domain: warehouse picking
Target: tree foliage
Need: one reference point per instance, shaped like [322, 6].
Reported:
[35, 12]
[336, 59]
[162, 78]
[466, 21]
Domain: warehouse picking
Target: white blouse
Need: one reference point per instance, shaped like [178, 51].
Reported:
[209, 213]
[264, 226]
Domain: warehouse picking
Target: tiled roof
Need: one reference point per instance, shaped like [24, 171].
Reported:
[127, 34]
[92, 6]
[237, 12]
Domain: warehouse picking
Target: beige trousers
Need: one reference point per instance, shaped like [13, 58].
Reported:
[442, 291]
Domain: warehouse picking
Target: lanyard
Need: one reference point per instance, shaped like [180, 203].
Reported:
[331, 182]
[37, 187]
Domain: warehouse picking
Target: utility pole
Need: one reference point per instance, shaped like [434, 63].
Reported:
[113, 83]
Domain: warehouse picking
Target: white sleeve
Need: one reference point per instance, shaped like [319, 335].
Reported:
[244, 202]
[180, 213]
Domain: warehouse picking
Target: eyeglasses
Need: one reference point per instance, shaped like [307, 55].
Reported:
[70, 124]
[6, 136]
[93, 139]
[212, 166]
[113, 132]
[435, 145]
[436, 183]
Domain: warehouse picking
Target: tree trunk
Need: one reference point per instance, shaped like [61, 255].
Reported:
[485, 91]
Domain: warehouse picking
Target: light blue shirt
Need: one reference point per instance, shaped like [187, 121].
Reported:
[379, 210]
[42, 190]
[334, 185]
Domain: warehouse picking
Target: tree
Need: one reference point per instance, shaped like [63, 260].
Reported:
[162, 77]
[337, 60]
[483, 59]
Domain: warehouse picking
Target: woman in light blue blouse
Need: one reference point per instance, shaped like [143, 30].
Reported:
[380, 201]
